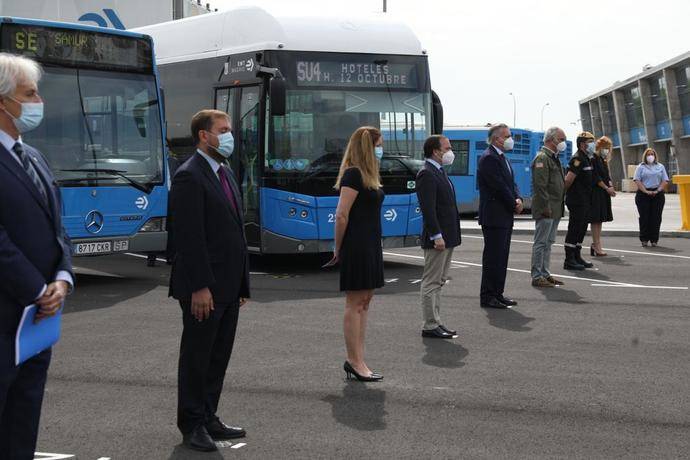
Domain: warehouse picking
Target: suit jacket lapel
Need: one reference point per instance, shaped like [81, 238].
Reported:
[442, 177]
[504, 160]
[15, 168]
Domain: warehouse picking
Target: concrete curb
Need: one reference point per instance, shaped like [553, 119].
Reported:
[630, 233]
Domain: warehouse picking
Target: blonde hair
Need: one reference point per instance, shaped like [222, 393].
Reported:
[647, 152]
[360, 154]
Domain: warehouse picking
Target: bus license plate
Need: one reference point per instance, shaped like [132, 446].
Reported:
[101, 247]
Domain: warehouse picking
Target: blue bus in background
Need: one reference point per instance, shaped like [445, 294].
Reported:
[469, 143]
[102, 132]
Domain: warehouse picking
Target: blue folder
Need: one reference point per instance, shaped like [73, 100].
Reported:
[33, 338]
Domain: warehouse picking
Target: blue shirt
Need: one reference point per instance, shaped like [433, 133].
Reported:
[651, 176]
[215, 166]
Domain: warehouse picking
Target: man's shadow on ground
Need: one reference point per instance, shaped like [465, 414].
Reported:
[444, 353]
[509, 319]
[360, 406]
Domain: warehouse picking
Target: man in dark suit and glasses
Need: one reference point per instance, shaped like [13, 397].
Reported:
[35, 253]
[440, 231]
[499, 200]
[209, 277]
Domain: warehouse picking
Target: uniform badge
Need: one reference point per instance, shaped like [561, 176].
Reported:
[539, 164]
[576, 163]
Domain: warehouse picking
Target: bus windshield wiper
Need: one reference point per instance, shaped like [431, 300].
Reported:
[146, 188]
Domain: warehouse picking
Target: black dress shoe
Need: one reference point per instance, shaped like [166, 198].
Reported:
[494, 303]
[450, 331]
[437, 333]
[507, 301]
[200, 440]
[219, 431]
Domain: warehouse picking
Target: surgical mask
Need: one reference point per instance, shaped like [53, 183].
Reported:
[226, 144]
[378, 151]
[448, 158]
[561, 146]
[508, 144]
[604, 153]
[650, 159]
[30, 116]
[591, 147]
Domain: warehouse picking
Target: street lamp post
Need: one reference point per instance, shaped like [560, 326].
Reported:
[542, 114]
[514, 110]
[385, 6]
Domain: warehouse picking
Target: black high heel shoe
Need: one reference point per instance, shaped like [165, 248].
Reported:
[352, 374]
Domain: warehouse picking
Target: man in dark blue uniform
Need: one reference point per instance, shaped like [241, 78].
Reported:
[578, 197]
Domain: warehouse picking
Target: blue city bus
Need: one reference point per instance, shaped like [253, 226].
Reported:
[296, 89]
[469, 143]
[102, 132]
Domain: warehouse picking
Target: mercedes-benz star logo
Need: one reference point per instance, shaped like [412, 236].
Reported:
[94, 222]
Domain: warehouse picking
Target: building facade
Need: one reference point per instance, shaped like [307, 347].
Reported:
[651, 109]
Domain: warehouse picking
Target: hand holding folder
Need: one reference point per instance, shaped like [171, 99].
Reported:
[35, 336]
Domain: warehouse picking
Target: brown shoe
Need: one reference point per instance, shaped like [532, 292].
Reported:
[554, 281]
[542, 282]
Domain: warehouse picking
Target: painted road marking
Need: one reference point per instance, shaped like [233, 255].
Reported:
[596, 282]
[392, 280]
[626, 251]
[238, 445]
[47, 456]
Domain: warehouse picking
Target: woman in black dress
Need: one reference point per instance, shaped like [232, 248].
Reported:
[602, 191]
[358, 241]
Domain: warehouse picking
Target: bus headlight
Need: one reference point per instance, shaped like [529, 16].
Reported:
[156, 224]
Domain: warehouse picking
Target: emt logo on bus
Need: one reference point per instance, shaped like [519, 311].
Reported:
[103, 22]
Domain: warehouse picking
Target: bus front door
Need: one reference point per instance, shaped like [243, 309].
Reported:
[242, 104]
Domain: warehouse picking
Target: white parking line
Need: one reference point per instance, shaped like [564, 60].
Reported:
[626, 251]
[595, 282]
[48, 456]
[142, 256]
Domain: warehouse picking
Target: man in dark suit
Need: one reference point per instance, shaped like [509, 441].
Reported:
[35, 253]
[499, 200]
[440, 232]
[210, 277]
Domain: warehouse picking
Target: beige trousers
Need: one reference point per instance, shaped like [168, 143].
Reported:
[436, 265]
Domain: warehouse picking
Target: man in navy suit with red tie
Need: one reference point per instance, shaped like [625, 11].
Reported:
[210, 277]
[499, 200]
[35, 253]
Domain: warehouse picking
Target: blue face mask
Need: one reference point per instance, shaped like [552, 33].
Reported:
[378, 151]
[226, 144]
[30, 116]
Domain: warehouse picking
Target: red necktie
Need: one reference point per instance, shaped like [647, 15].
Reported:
[225, 183]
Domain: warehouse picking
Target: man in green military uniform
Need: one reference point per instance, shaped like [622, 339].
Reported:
[548, 191]
[578, 197]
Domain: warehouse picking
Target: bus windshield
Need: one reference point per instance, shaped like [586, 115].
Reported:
[329, 96]
[100, 127]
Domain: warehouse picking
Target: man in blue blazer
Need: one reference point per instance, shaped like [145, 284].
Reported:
[499, 200]
[440, 232]
[35, 253]
[209, 277]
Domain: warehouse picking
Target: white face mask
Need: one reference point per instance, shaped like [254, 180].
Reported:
[650, 159]
[561, 146]
[604, 153]
[508, 144]
[448, 158]
[591, 147]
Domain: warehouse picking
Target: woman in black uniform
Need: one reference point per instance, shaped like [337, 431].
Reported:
[602, 191]
[358, 241]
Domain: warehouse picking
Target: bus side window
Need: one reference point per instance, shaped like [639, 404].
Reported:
[461, 149]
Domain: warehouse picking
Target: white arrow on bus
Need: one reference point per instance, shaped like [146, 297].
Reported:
[390, 215]
[142, 202]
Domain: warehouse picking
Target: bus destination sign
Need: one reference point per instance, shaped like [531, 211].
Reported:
[356, 74]
[53, 45]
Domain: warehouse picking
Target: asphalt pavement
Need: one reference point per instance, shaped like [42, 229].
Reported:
[598, 368]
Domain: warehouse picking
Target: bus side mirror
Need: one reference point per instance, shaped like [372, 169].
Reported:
[437, 109]
[277, 94]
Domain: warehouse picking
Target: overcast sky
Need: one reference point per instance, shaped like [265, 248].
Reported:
[553, 51]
